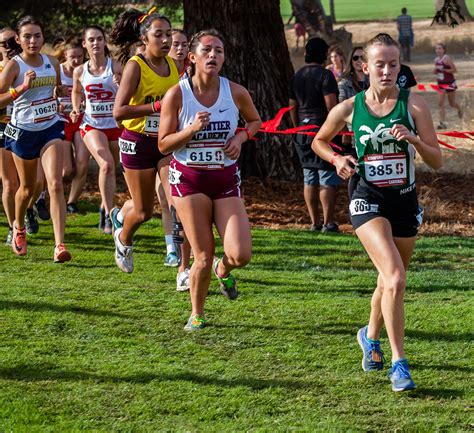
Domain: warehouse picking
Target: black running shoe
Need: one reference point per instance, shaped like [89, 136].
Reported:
[72, 208]
[31, 223]
[330, 228]
[42, 210]
[108, 225]
[101, 218]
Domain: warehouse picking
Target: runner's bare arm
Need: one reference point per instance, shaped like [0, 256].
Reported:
[169, 139]
[294, 112]
[130, 80]
[6, 98]
[335, 122]
[60, 90]
[426, 143]
[76, 94]
[9, 75]
[247, 110]
[117, 70]
[452, 67]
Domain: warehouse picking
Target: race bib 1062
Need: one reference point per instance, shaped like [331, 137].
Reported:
[44, 110]
[388, 169]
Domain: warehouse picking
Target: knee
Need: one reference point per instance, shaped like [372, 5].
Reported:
[55, 187]
[395, 286]
[81, 169]
[240, 258]
[9, 188]
[143, 215]
[107, 168]
[203, 262]
[26, 191]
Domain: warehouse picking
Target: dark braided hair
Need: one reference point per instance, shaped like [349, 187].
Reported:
[128, 30]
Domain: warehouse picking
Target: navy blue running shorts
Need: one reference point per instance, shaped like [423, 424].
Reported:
[28, 144]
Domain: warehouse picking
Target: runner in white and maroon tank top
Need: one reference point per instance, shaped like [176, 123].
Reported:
[98, 78]
[198, 124]
[444, 71]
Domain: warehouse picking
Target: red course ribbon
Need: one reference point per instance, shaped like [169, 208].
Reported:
[271, 127]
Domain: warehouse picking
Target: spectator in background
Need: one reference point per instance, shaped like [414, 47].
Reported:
[338, 64]
[300, 32]
[405, 78]
[352, 82]
[313, 93]
[405, 34]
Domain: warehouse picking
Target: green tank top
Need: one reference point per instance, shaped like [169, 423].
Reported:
[383, 160]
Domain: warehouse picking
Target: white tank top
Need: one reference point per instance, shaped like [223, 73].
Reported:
[65, 101]
[100, 94]
[36, 109]
[204, 150]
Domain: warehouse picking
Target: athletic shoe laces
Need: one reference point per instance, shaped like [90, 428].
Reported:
[402, 370]
[375, 353]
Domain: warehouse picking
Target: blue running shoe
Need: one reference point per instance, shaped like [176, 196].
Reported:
[400, 376]
[116, 224]
[372, 359]
[171, 260]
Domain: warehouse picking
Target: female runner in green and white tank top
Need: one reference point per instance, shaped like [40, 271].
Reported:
[390, 125]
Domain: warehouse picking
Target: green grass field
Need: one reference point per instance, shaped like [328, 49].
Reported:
[86, 347]
[373, 10]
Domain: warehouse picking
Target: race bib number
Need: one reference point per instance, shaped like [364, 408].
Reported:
[174, 176]
[205, 157]
[11, 132]
[44, 110]
[151, 124]
[101, 108]
[128, 147]
[386, 169]
[440, 76]
[360, 206]
[66, 107]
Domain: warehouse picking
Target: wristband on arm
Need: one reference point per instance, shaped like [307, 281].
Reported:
[333, 159]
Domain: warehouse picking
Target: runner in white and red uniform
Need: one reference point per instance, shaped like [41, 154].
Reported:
[198, 124]
[444, 71]
[76, 155]
[35, 131]
[98, 78]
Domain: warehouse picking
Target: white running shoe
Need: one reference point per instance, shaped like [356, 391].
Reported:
[123, 253]
[182, 281]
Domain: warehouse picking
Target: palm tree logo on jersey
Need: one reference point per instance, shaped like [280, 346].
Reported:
[379, 138]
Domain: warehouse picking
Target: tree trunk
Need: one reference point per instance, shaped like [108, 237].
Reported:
[257, 57]
[332, 11]
[462, 5]
[311, 14]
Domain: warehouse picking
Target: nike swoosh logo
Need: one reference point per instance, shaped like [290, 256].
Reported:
[225, 109]
[394, 120]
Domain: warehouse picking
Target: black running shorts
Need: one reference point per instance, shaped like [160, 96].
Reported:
[399, 206]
